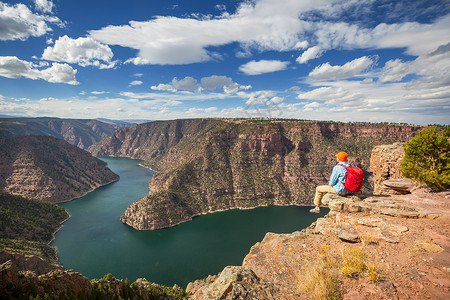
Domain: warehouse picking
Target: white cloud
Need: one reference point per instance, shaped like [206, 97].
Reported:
[98, 92]
[263, 66]
[206, 83]
[45, 6]
[420, 39]
[136, 82]
[311, 53]
[301, 45]
[13, 67]
[164, 87]
[276, 100]
[266, 25]
[417, 38]
[263, 25]
[311, 106]
[187, 83]
[17, 22]
[394, 70]
[82, 51]
[258, 97]
[350, 69]
[213, 82]
[59, 73]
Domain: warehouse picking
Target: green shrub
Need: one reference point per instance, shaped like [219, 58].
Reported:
[427, 158]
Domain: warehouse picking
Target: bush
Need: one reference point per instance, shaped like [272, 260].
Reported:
[427, 158]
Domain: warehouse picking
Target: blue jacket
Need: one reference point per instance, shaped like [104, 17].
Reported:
[338, 177]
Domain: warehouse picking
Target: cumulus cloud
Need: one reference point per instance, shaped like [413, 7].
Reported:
[422, 99]
[13, 67]
[206, 83]
[17, 22]
[213, 82]
[263, 66]
[45, 6]
[350, 69]
[82, 51]
[311, 53]
[187, 83]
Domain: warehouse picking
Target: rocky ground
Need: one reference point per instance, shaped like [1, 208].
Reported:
[402, 242]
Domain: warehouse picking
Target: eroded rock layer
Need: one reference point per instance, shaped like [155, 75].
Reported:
[49, 169]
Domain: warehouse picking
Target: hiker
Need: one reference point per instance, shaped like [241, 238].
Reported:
[336, 183]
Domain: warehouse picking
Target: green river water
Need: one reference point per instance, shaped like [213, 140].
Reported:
[95, 242]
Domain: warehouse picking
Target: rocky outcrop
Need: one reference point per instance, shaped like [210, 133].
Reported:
[401, 241]
[79, 132]
[385, 165]
[385, 228]
[237, 283]
[208, 165]
[49, 169]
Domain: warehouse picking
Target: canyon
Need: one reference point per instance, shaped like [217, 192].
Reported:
[208, 165]
[401, 241]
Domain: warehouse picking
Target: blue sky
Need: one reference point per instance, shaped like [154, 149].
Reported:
[354, 60]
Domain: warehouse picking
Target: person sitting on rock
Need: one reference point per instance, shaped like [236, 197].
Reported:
[336, 182]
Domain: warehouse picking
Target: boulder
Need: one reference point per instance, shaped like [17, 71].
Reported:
[347, 233]
[236, 282]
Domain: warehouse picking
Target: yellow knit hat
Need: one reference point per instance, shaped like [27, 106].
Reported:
[342, 156]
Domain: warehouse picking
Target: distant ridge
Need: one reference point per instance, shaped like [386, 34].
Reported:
[79, 132]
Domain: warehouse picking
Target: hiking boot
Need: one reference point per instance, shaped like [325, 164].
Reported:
[315, 210]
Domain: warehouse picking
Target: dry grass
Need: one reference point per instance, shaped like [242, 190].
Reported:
[366, 240]
[373, 272]
[355, 263]
[321, 278]
[425, 246]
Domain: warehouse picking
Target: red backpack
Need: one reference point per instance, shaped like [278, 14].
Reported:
[354, 180]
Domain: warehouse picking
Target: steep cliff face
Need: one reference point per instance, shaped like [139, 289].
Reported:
[213, 165]
[385, 164]
[49, 169]
[81, 133]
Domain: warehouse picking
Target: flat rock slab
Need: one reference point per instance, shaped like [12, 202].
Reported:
[400, 184]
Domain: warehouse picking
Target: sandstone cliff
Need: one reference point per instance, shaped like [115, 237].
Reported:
[81, 133]
[367, 247]
[208, 165]
[49, 169]
[385, 165]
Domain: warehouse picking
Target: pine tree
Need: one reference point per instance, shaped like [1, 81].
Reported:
[427, 158]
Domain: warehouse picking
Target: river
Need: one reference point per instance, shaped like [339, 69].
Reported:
[95, 242]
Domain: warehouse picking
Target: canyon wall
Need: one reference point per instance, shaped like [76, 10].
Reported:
[208, 165]
[49, 169]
